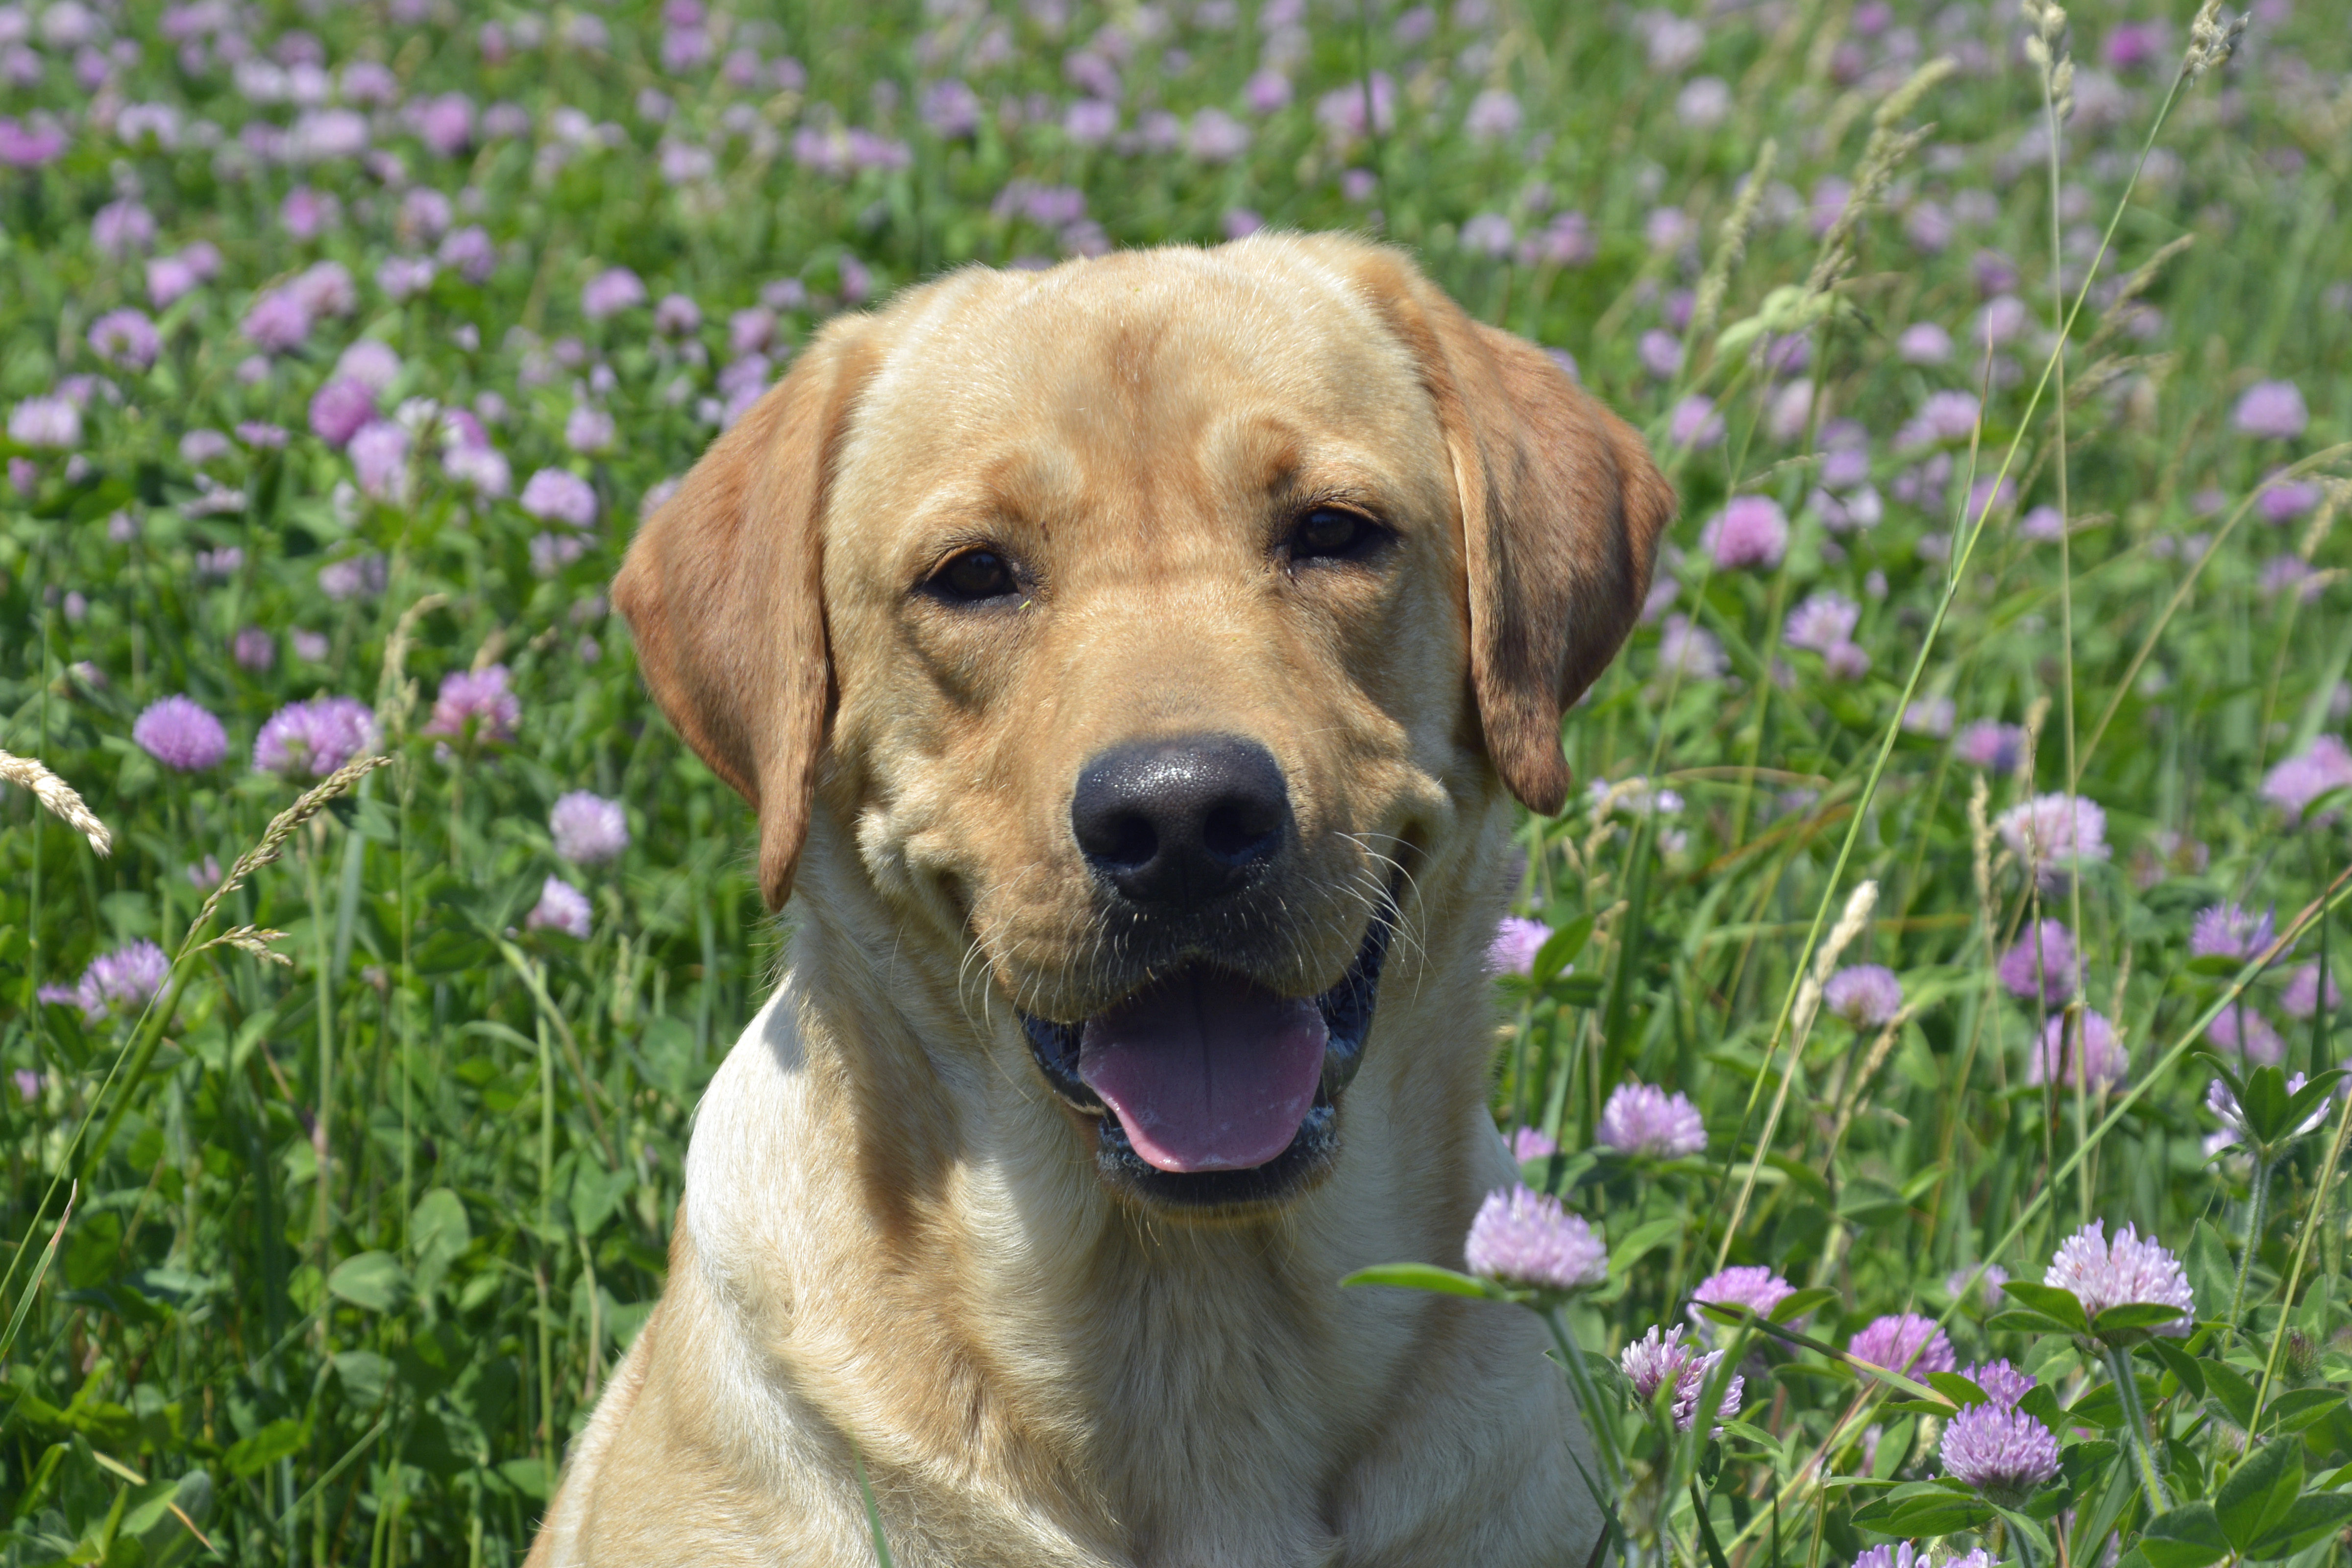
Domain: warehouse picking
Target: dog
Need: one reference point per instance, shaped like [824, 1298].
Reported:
[1131, 665]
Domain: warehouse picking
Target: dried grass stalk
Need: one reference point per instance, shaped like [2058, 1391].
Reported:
[59, 796]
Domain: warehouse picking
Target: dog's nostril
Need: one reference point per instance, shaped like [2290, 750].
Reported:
[1237, 830]
[1175, 824]
[1130, 841]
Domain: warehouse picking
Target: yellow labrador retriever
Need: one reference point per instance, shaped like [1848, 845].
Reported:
[1131, 665]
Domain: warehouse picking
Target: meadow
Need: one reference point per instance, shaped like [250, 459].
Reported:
[1961, 832]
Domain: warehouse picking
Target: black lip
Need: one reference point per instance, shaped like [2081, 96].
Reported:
[1347, 1011]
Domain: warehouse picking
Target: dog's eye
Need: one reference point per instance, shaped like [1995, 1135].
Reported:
[1333, 533]
[974, 576]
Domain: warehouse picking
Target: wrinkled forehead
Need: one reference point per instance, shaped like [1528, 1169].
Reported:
[1159, 371]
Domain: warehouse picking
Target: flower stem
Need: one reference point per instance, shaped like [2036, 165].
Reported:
[1597, 1421]
[2143, 1445]
[2261, 1192]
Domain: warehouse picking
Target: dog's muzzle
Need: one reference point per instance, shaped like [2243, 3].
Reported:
[1210, 1090]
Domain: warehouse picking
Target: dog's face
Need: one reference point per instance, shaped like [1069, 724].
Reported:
[1170, 607]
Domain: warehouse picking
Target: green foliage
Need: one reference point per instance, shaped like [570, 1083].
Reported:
[354, 1241]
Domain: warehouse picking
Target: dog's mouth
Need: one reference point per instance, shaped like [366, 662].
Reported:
[1208, 1088]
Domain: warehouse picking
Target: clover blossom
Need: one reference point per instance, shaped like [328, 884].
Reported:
[2002, 1383]
[1642, 1119]
[1905, 1342]
[2040, 964]
[2224, 1104]
[2295, 783]
[1866, 995]
[560, 907]
[2000, 1450]
[1755, 1288]
[2054, 835]
[476, 704]
[181, 735]
[313, 739]
[2080, 1050]
[1661, 1358]
[2228, 931]
[1521, 1236]
[588, 829]
[120, 982]
[2124, 1272]
[1517, 941]
[1532, 1144]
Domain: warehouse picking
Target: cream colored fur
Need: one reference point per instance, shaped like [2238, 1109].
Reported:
[894, 1244]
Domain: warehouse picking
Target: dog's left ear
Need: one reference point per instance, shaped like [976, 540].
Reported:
[1561, 509]
[721, 592]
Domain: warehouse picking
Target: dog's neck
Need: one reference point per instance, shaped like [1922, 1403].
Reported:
[908, 1208]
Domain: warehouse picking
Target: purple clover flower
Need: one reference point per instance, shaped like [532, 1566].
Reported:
[2233, 1116]
[2002, 1384]
[1990, 746]
[1751, 530]
[1642, 1119]
[2056, 836]
[610, 292]
[181, 735]
[125, 339]
[476, 704]
[1905, 1342]
[2228, 931]
[1755, 1288]
[1866, 995]
[2246, 1031]
[312, 739]
[2000, 1450]
[588, 829]
[2295, 783]
[1521, 1236]
[1821, 622]
[51, 421]
[2082, 1051]
[253, 649]
[2301, 997]
[2271, 410]
[2128, 1270]
[558, 495]
[2042, 964]
[276, 323]
[1661, 1359]
[1517, 941]
[1958, 1283]
[341, 408]
[560, 907]
[122, 982]
[1532, 1144]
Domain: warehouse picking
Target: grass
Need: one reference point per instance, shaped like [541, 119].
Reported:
[324, 1260]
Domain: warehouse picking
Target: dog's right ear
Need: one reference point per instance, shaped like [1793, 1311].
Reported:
[721, 589]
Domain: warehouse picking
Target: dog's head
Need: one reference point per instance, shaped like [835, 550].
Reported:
[1152, 624]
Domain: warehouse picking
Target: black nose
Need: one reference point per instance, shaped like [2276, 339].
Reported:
[1175, 824]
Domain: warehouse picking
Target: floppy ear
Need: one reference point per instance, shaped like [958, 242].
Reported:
[720, 589]
[1561, 509]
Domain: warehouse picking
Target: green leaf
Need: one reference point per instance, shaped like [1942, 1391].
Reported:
[2180, 1363]
[2103, 1406]
[2014, 1321]
[527, 1477]
[2254, 1499]
[2262, 1103]
[1924, 1507]
[2060, 1306]
[2187, 1537]
[279, 1440]
[2211, 1274]
[1644, 1239]
[1422, 1277]
[1955, 1388]
[2308, 1522]
[2231, 1391]
[2300, 1407]
[1802, 1303]
[2127, 1322]
[370, 1280]
[1560, 950]
[1577, 990]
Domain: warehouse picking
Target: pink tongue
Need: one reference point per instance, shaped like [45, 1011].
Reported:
[1206, 1071]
